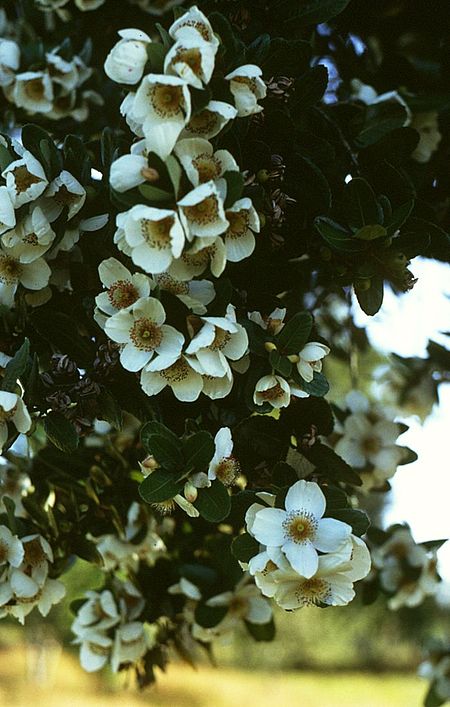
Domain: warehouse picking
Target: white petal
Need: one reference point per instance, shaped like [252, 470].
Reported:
[302, 556]
[308, 496]
[268, 526]
[331, 534]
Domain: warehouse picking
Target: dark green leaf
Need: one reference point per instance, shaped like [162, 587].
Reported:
[371, 299]
[175, 173]
[283, 474]
[199, 99]
[257, 337]
[198, 451]
[232, 47]
[381, 119]
[280, 363]
[159, 486]
[213, 503]
[61, 432]
[261, 632]
[6, 157]
[399, 216]
[357, 519]
[154, 194]
[166, 451]
[309, 89]
[41, 146]
[156, 53]
[370, 233]
[336, 237]
[210, 616]
[331, 465]
[318, 387]
[294, 53]
[109, 409]
[433, 544]
[86, 549]
[15, 368]
[295, 333]
[63, 334]
[166, 39]
[258, 50]
[361, 206]
[244, 547]
[235, 185]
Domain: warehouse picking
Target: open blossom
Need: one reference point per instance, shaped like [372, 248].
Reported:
[273, 323]
[223, 465]
[427, 126]
[247, 88]
[300, 530]
[202, 213]
[204, 253]
[191, 58]
[64, 192]
[11, 548]
[195, 294]
[122, 288]
[311, 357]
[126, 61]
[12, 409]
[7, 213]
[128, 171]
[142, 330]
[33, 91]
[31, 238]
[9, 61]
[33, 275]
[208, 122]
[185, 382]
[274, 390]
[155, 237]
[193, 21]
[239, 237]
[201, 163]
[25, 179]
[130, 644]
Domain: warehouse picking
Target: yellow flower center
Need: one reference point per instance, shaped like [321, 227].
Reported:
[203, 123]
[227, 470]
[145, 334]
[238, 221]
[191, 57]
[23, 179]
[157, 233]
[207, 166]
[300, 526]
[122, 294]
[177, 372]
[167, 101]
[313, 591]
[207, 211]
[273, 393]
[34, 89]
[175, 287]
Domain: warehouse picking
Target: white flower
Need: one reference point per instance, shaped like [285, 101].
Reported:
[25, 179]
[245, 603]
[31, 238]
[123, 288]
[223, 465]
[215, 387]
[195, 261]
[202, 213]
[128, 172]
[126, 109]
[273, 323]
[9, 61]
[311, 357]
[7, 213]
[300, 530]
[219, 339]
[247, 87]
[126, 61]
[62, 72]
[141, 328]
[194, 294]
[94, 651]
[238, 238]
[64, 191]
[14, 484]
[201, 163]
[129, 644]
[208, 122]
[11, 548]
[98, 613]
[12, 409]
[33, 90]
[180, 376]
[427, 126]
[193, 21]
[184, 586]
[155, 237]
[274, 390]
[163, 105]
[191, 59]
[33, 276]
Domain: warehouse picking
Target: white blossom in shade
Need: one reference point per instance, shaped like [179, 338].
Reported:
[9, 61]
[26, 594]
[7, 213]
[208, 122]
[180, 376]
[193, 21]
[332, 583]
[12, 410]
[244, 603]
[239, 237]
[99, 613]
[31, 238]
[14, 484]
[195, 294]
[95, 650]
[189, 589]
[198, 258]
[33, 276]
[155, 237]
[218, 339]
[427, 126]
[247, 88]
[369, 437]
[64, 191]
[119, 235]
[223, 465]
[300, 530]
[62, 72]
[215, 387]
[126, 61]
[311, 357]
[126, 109]
[11, 548]
[128, 172]
[201, 163]
[191, 59]
[163, 104]
[142, 330]
[33, 91]
[122, 288]
[202, 213]
[25, 179]
[273, 323]
[129, 644]
[274, 390]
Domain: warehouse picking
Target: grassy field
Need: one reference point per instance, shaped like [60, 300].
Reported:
[58, 681]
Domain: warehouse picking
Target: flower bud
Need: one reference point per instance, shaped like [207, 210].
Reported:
[148, 465]
[270, 346]
[190, 492]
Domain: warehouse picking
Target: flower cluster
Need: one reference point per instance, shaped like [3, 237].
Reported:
[12, 410]
[107, 629]
[24, 580]
[14, 484]
[31, 235]
[406, 571]
[304, 558]
[53, 87]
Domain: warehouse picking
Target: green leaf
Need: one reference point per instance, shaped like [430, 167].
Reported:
[432, 698]
[159, 486]
[61, 432]
[232, 48]
[200, 97]
[258, 50]
[166, 39]
[213, 503]
[154, 194]
[210, 616]
[331, 465]
[261, 632]
[371, 299]
[305, 171]
[315, 12]
[235, 185]
[294, 53]
[361, 206]
[399, 216]
[283, 474]
[370, 233]
[109, 409]
[63, 334]
[309, 89]
[433, 544]
[10, 507]
[380, 119]
[198, 451]
[156, 53]
[295, 333]
[257, 337]
[244, 547]
[357, 519]
[41, 146]
[86, 549]
[153, 427]
[280, 363]
[336, 237]
[166, 451]
[6, 157]
[318, 387]
[15, 368]
[175, 172]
